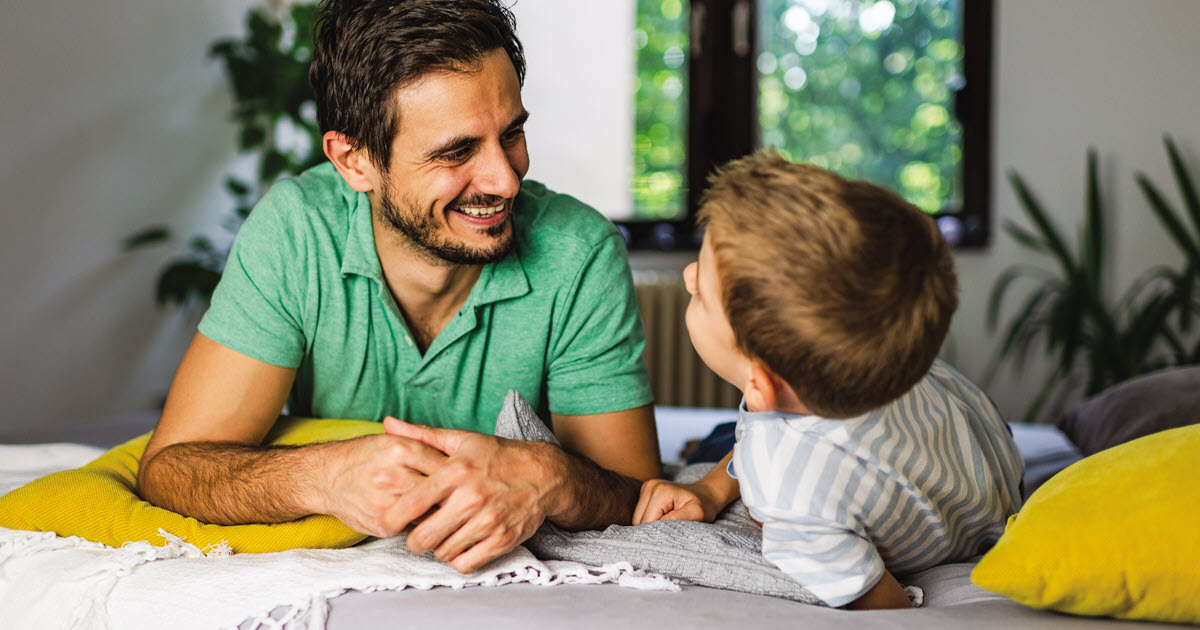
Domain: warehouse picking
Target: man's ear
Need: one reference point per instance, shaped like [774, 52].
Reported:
[353, 164]
[762, 388]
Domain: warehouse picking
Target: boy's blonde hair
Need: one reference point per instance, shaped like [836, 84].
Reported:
[840, 287]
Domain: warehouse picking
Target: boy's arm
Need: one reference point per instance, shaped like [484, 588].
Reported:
[886, 594]
[703, 500]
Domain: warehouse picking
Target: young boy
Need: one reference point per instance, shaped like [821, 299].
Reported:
[825, 301]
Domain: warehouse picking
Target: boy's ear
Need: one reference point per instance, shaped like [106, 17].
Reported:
[762, 388]
[353, 165]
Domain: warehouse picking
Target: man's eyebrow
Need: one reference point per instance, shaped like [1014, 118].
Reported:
[459, 143]
[520, 120]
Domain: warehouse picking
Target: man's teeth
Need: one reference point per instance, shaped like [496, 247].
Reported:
[481, 213]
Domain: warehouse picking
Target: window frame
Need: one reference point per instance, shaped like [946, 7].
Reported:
[723, 123]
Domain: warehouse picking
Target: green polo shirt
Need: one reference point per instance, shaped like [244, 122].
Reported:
[555, 320]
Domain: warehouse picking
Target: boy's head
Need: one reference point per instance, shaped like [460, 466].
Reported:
[838, 287]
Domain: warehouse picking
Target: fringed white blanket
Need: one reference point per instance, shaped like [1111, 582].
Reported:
[49, 582]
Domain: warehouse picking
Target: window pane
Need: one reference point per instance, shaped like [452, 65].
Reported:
[660, 88]
[866, 89]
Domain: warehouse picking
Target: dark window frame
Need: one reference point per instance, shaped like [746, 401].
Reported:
[723, 117]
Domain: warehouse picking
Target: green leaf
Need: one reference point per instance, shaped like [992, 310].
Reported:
[999, 289]
[1171, 221]
[149, 236]
[237, 187]
[1093, 241]
[1026, 238]
[186, 280]
[1187, 188]
[1024, 324]
[273, 164]
[1045, 226]
[252, 137]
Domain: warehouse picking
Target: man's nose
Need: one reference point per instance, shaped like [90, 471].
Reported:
[496, 175]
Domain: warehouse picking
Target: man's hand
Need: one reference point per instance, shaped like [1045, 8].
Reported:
[358, 481]
[663, 500]
[369, 478]
[487, 496]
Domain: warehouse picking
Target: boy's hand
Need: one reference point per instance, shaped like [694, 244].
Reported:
[663, 500]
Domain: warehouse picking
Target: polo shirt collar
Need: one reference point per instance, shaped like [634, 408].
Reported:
[360, 257]
[497, 281]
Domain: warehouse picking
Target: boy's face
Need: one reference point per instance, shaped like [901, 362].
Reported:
[707, 324]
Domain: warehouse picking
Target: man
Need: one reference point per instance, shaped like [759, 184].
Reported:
[415, 276]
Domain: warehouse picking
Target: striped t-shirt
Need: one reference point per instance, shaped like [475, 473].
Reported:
[928, 479]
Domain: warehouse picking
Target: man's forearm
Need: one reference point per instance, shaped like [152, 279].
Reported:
[227, 483]
[587, 496]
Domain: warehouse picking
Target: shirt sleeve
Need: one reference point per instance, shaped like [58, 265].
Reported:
[256, 308]
[807, 531]
[597, 341]
[833, 562]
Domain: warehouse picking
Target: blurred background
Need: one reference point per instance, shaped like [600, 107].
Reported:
[115, 118]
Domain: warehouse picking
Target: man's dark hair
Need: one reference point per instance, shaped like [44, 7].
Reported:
[364, 50]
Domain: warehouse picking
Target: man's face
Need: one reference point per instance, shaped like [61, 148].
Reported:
[707, 324]
[457, 163]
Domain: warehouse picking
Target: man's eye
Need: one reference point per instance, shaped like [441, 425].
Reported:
[513, 136]
[458, 156]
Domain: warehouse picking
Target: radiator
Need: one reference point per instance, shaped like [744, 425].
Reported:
[677, 375]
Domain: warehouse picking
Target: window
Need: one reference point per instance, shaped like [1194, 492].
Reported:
[894, 91]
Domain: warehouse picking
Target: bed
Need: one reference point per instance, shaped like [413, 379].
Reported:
[951, 600]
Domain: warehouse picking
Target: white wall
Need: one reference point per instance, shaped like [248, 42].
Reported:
[112, 118]
[579, 61]
[1069, 74]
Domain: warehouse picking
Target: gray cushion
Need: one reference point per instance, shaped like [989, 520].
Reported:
[726, 554]
[1148, 404]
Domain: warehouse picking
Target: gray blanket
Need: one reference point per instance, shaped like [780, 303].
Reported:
[726, 554]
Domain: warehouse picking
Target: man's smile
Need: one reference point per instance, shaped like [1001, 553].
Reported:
[481, 212]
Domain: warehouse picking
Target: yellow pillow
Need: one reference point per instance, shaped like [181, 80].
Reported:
[98, 502]
[1116, 534]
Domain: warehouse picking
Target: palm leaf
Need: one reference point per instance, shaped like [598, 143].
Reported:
[1019, 328]
[148, 236]
[1093, 239]
[1183, 178]
[1000, 288]
[1173, 224]
[1027, 238]
[1065, 324]
[1034, 209]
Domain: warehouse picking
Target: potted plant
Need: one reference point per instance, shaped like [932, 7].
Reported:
[276, 115]
[1092, 340]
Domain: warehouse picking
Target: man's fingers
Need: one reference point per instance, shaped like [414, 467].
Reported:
[416, 507]
[414, 455]
[479, 555]
[458, 542]
[444, 440]
[434, 529]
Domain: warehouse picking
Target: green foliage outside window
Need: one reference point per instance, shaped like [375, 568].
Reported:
[660, 88]
[863, 88]
[866, 89]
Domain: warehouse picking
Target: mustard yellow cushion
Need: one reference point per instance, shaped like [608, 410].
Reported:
[98, 502]
[1116, 534]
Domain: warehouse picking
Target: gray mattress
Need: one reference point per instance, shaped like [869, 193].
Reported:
[951, 601]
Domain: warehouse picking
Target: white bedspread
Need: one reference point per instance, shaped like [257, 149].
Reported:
[51, 582]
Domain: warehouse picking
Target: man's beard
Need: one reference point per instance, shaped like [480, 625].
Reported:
[421, 230]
